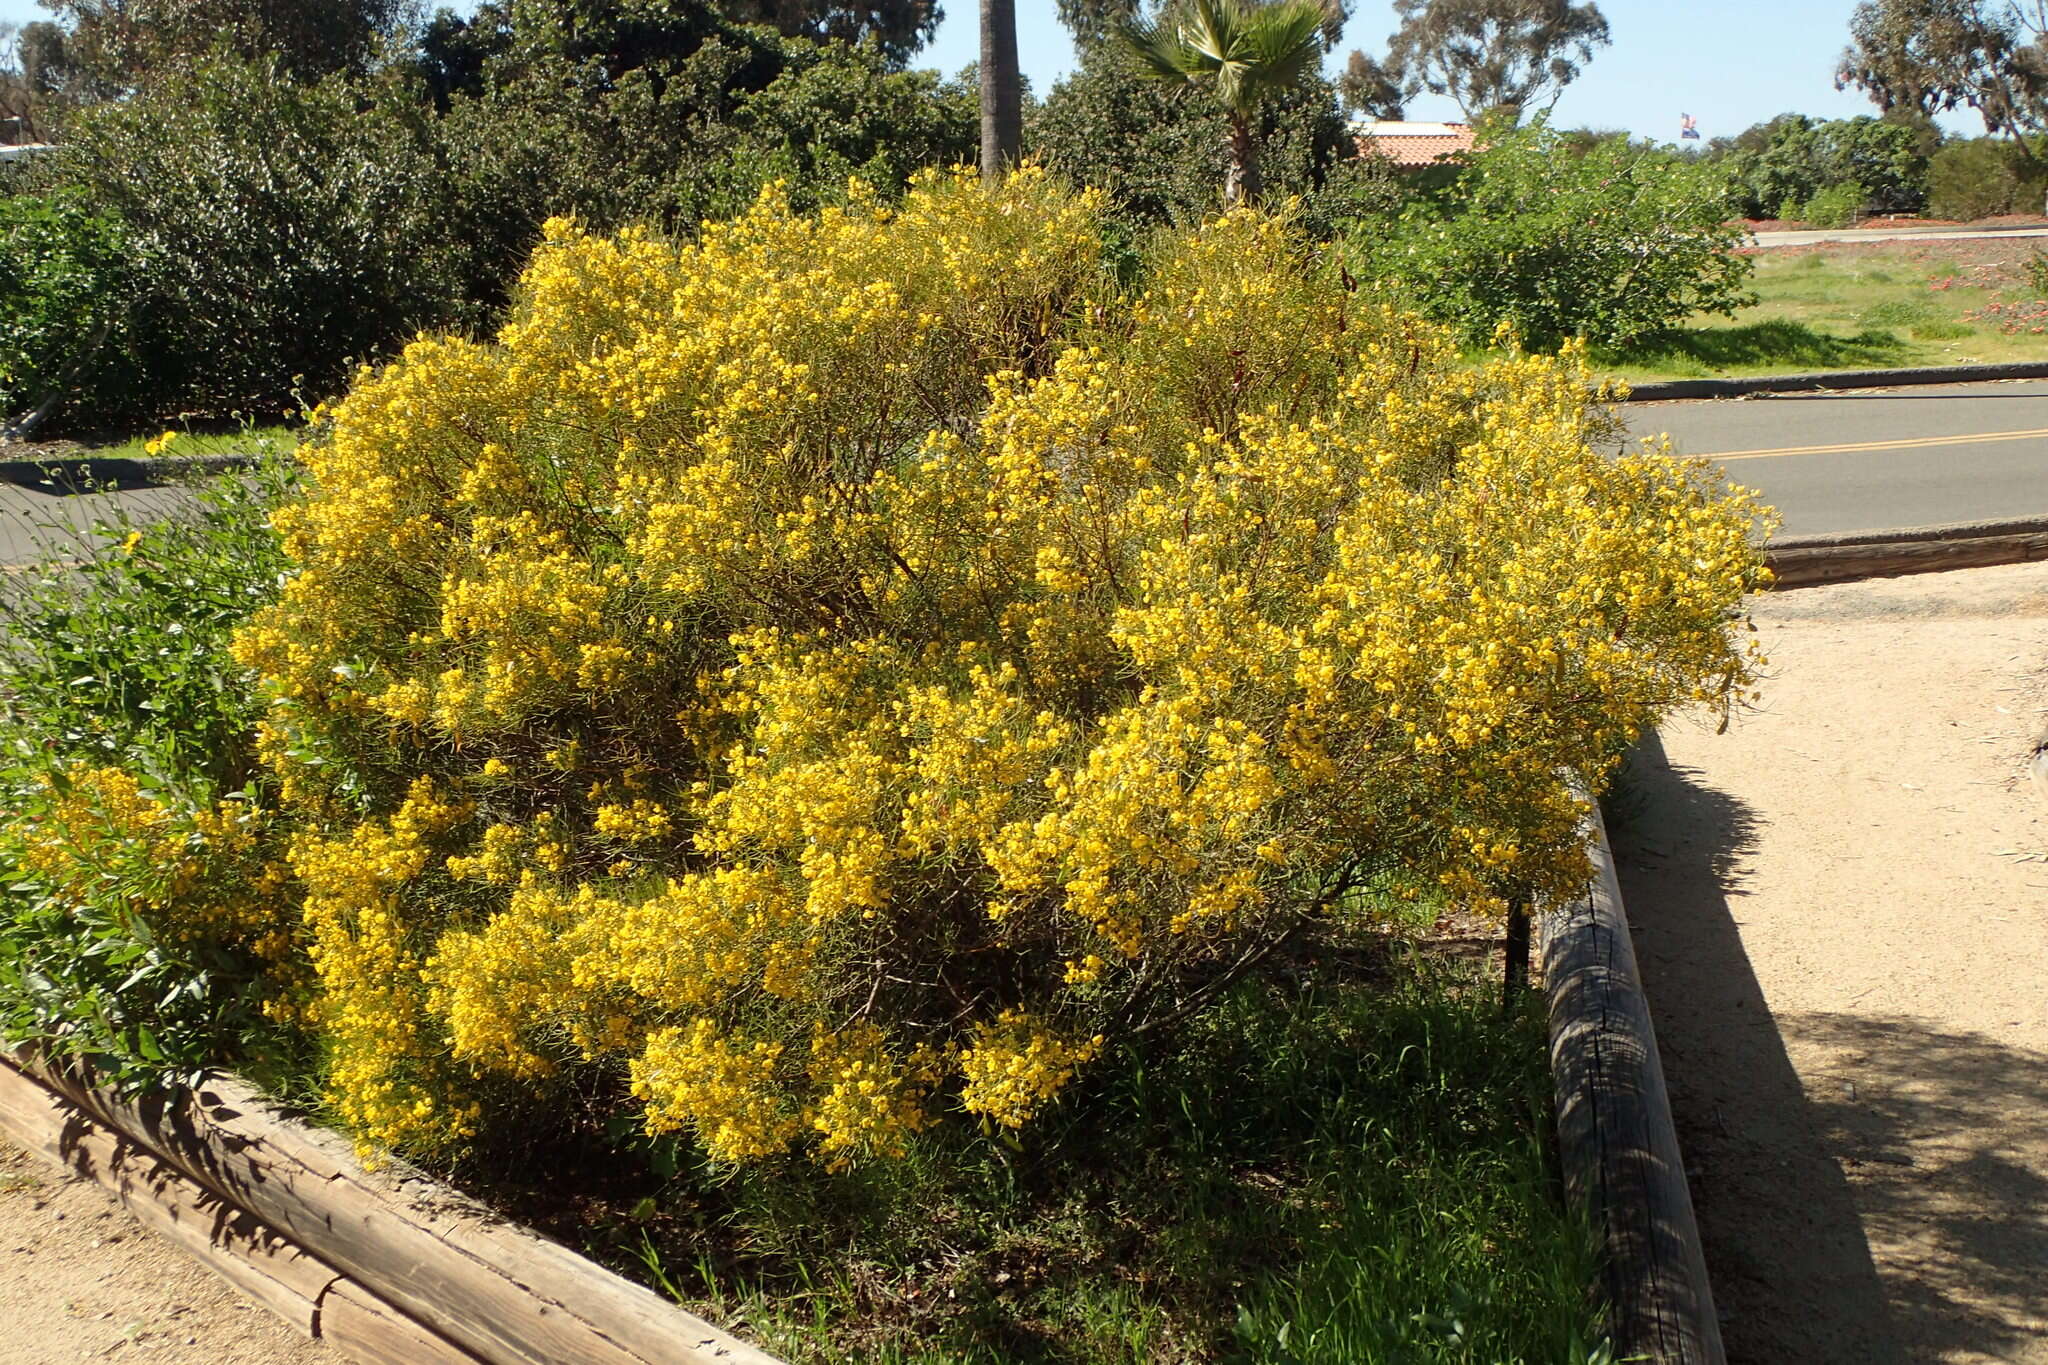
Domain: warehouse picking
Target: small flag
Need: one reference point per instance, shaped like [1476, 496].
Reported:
[1688, 127]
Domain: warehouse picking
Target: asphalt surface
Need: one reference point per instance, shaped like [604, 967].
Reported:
[1867, 460]
[41, 524]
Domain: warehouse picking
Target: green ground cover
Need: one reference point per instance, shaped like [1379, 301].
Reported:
[1862, 307]
[1357, 1170]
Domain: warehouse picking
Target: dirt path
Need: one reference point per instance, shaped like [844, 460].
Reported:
[81, 1281]
[1841, 906]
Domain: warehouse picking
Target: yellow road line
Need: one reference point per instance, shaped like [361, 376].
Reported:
[1905, 443]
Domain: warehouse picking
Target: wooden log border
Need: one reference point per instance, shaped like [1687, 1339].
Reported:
[1615, 1137]
[390, 1266]
[1810, 561]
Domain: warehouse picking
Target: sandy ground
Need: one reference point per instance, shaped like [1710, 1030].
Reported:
[81, 1281]
[1841, 908]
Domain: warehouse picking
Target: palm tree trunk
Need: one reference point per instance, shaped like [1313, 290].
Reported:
[1002, 89]
[1245, 183]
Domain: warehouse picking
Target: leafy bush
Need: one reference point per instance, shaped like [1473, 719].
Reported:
[1793, 159]
[862, 667]
[838, 113]
[271, 234]
[1160, 153]
[59, 267]
[1837, 206]
[1610, 245]
[145, 921]
[1983, 177]
[692, 136]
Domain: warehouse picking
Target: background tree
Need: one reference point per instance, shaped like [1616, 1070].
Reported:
[1002, 89]
[1931, 56]
[898, 27]
[1163, 157]
[1791, 158]
[1242, 52]
[1369, 89]
[116, 45]
[454, 51]
[1485, 54]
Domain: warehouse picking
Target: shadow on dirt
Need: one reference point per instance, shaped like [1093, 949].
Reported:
[1897, 1137]
[1792, 1272]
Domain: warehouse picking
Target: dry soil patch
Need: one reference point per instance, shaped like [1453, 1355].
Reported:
[81, 1281]
[1841, 906]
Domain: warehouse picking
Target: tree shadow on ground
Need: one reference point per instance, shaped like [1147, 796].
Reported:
[1921, 1122]
[1777, 342]
[1791, 1268]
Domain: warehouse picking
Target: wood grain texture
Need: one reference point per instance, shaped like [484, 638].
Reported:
[1615, 1137]
[468, 1275]
[366, 1329]
[1812, 565]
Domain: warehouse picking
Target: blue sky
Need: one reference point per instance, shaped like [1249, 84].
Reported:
[1729, 64]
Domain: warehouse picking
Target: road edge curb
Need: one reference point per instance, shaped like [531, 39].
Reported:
[1617, 1144]
[1668, 390]
[77, 471]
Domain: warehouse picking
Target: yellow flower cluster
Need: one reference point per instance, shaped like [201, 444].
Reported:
[859, 666]
[200, 875]
[1015, 1064]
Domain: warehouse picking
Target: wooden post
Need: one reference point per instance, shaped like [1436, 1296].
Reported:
[1515, 960]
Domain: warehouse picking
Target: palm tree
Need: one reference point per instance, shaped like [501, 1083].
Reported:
[1002, 89]
[1244, 51]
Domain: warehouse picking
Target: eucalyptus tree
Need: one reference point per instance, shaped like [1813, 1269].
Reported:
[1239, 52]
[1927, 57]
[1487, 55]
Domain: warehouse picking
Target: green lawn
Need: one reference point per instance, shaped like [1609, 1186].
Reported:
[1862, 307]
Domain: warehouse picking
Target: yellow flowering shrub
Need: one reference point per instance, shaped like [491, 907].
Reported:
[861, 667]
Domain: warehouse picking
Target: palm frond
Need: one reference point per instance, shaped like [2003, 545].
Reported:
[1282, 41]
[1160, 52]
[1248, 48]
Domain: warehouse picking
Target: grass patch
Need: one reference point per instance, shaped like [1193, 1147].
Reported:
[1354, 1169]
[200, 440]
[1857, 307]
[1902, 312]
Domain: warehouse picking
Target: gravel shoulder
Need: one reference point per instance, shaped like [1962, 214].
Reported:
[80, 1280]
[1841, 908]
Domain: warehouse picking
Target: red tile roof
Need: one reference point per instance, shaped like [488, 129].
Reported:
[1418, 148]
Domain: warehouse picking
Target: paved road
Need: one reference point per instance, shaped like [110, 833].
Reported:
[1817, 236]
[1870, 459]
[37, 524]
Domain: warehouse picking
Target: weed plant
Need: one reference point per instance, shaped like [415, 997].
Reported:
[115, 662]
